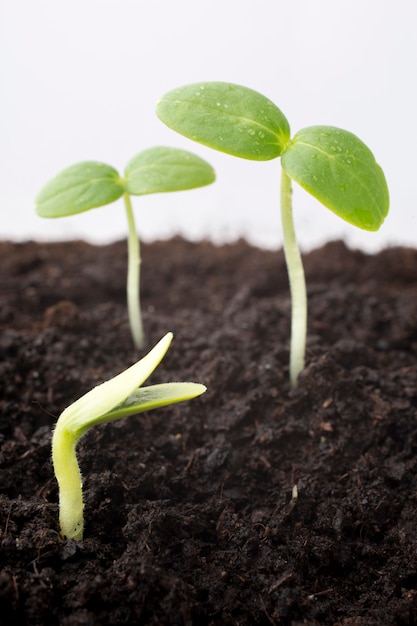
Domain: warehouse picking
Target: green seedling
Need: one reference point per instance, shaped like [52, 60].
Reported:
[89, 184]
[113, 400]
[332, 164]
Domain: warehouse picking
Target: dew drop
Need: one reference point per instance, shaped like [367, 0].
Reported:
[251, 131]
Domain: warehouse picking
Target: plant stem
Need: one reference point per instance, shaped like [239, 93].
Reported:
[297, 282]
[133, 277]
[67, 472]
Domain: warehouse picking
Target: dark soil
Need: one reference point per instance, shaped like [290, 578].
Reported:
[190, 518]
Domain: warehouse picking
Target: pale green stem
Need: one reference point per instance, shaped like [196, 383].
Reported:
[68, 475]
[297, 283]
[133, 277]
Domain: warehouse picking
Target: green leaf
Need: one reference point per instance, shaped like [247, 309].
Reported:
[163, 169]
[340, 171]
[226, 117]
[78, 188]
[153, 397]
[92, 407]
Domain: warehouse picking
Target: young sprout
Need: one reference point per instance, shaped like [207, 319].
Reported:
[113, 400]
[90, 184]
[331, 164]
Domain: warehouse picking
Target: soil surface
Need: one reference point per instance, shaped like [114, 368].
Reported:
[191, 516]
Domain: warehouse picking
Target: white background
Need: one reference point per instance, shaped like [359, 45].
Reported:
[80, 80]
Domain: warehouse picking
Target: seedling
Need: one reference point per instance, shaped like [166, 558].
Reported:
[113, 400]
[89, 184]
[332, 164]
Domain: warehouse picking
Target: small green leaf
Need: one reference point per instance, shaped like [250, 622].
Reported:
[163, 169]
[78, 188]
[153, 397]
[226, 117]
[340, 171]
[92, 407]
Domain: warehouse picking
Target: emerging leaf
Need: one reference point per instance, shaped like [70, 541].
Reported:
[163, 169]
[340, 171]
[78, 188]
[227, 117]
[154, 397]
[89, 410]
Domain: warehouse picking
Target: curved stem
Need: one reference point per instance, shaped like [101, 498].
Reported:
[297, 282]
[133, 277]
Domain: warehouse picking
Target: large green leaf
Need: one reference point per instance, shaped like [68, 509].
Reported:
[78, 188]
[340, 171]
[227, 117]
[163, 169]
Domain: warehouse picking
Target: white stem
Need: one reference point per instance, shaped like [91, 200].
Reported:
[133, 277]
[297, 283]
